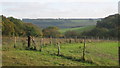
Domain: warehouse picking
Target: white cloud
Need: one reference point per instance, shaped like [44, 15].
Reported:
[55, 9]
[59, 0]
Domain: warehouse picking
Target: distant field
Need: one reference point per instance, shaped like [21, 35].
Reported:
[61, 23]
[97, 54]
[79, 29]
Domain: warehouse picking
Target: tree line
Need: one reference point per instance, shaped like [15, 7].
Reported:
[15, 27]
[106, 27]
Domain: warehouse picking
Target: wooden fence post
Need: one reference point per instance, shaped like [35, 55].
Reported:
[65, 39]
[70, 40]
[14, 42]
[98, 38]
[108, 38]
[92, 39]
[41, 44]
[51, 40]
[29, 41]
[43, 41]
[58, 44]
[76, 39]
[34, 43]
[119, 54]
[103, 38]
[84, 49]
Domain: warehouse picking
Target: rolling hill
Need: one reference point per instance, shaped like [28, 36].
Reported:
[78, 29]
[62, 23]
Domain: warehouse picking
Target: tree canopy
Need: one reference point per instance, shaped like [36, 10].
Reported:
[107, 27]
[51, 32]
[15, 27]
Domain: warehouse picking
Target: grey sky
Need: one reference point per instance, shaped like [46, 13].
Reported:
[59, 8]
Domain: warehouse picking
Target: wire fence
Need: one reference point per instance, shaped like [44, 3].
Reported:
[87, 46]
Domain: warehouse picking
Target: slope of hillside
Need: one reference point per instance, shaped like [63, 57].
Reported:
[78, 29]
[62, 23]
[107, 27]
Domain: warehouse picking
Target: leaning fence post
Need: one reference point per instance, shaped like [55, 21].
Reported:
[29, 41]
[58, 44]
[84, 49]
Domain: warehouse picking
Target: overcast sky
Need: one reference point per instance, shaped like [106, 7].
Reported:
[58, 8]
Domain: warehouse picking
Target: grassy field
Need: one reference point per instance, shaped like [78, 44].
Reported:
[62, 23]
[97, 54]
[79, 29]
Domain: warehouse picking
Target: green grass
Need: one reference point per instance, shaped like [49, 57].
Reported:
[97, 53]
[106, 53]
[79, 29]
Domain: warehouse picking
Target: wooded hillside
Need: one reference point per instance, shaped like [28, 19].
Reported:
[107, 27]
[15, 27]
